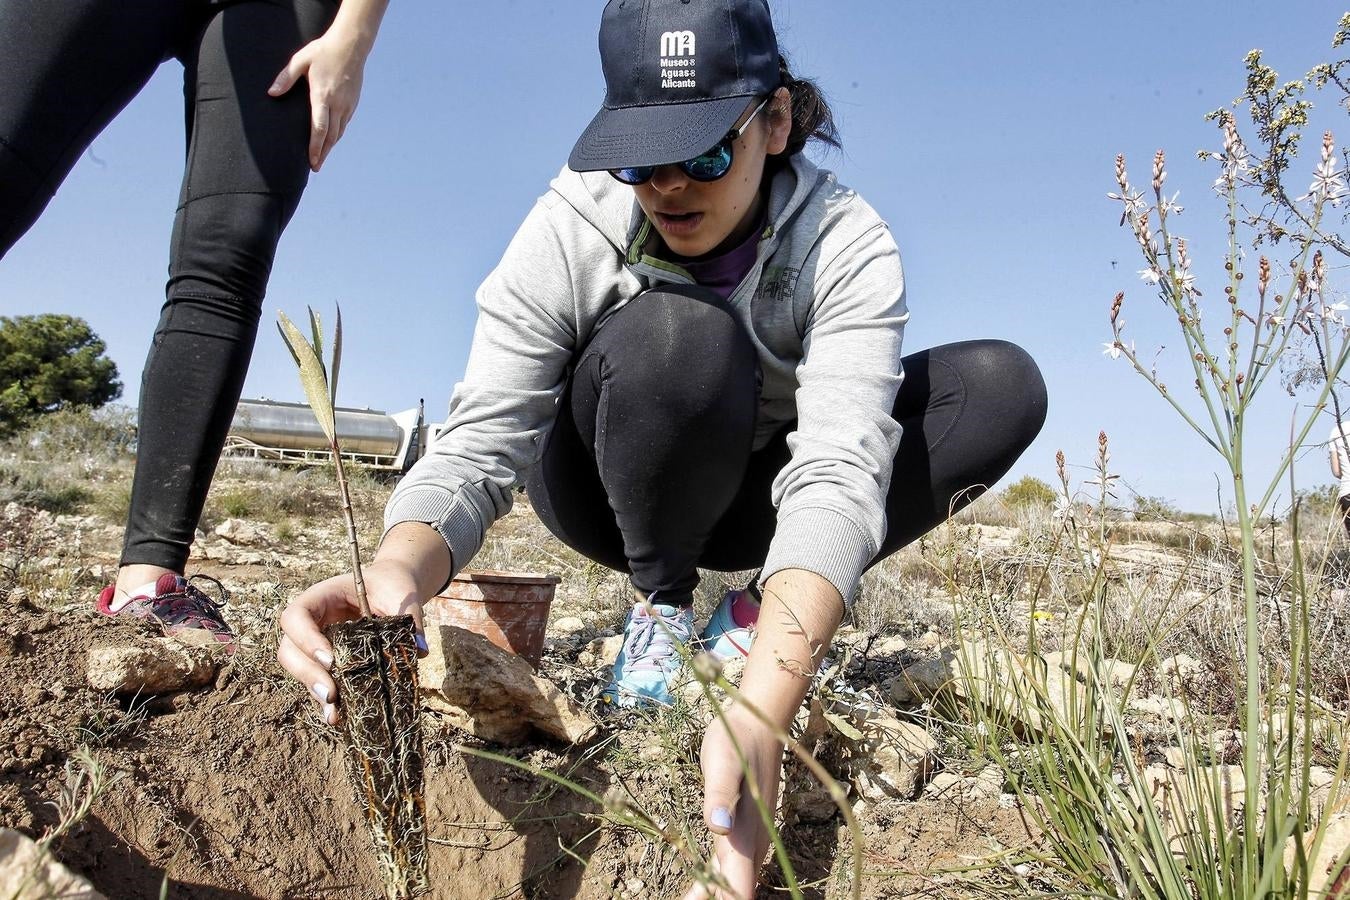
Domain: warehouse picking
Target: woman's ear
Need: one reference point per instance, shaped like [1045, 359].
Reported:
[780, 121]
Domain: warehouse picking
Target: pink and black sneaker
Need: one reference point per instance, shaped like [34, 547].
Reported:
[177, 606]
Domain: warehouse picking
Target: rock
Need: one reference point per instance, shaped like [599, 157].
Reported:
[987, 785]
[891, 759]
[28, 872]
[568, 625]
[494, 694]
[601, 651]
[1158, 708]
[1179, 809]
[888, 646]
[151, 666]
[945, 786]
[928, 641]
[1325, 877]
[923, 679]
[1175, 757]
[1113, 672]
[240, 532]
[1019, 687]
[1320, 780]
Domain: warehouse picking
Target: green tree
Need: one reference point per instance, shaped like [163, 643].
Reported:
[1028, 492]
[1155, 509]
[50, 362]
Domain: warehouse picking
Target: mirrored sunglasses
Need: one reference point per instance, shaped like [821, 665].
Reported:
[707, 166]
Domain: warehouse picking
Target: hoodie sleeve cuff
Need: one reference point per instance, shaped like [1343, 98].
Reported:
[821, 541]
[456, 522]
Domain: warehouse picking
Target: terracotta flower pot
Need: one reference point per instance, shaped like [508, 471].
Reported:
[510, 609]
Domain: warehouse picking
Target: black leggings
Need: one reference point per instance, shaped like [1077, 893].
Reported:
[67, 67]
[649, 468]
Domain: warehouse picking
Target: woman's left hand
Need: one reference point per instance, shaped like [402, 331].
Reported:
[728, 807]
[334, 66]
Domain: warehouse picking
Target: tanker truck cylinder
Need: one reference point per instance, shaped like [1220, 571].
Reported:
[292, 426]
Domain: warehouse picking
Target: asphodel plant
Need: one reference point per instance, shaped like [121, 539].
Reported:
[374, 665]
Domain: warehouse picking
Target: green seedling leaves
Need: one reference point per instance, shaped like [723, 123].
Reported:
[843, 726]
[312, 375]
[337, 357]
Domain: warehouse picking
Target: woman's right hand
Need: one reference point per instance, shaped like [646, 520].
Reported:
[391, 590]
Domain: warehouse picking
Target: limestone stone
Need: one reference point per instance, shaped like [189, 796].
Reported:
[1180, 810]
[601, 651]
[923, 679]
[151, 666]
[568, 625]
[1325, 877]
[893, 759]
[28, 872]
[1156, 707]
[494, 694]
[241, 532]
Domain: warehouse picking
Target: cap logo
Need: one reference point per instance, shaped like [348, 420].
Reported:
[677, 60]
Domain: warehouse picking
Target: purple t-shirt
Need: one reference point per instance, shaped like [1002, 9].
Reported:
[721, 274]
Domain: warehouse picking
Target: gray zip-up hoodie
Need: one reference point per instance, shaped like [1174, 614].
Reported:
[825, 309]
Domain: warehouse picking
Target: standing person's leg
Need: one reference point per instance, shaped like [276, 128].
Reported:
[66, 69]
[247, 166]
[649, 448]
[1344, 503]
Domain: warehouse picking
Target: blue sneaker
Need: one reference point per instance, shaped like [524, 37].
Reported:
[646, 667]
[722, 637]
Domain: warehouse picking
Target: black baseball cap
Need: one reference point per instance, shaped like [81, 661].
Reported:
[678, 74]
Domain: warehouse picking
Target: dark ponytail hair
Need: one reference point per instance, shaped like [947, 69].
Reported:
[811, 116]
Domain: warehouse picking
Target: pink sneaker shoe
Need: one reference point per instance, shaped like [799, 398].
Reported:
[177, 606]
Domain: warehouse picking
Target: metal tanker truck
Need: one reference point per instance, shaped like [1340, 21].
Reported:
[289, 434]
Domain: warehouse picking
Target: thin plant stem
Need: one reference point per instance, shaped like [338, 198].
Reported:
[349, 519]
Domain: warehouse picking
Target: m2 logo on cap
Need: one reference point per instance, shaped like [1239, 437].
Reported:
[677, 60]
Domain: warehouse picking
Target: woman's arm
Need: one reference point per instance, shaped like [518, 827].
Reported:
[798, 617]
[334, 65]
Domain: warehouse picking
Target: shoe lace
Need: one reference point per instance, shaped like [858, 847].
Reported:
[653, 638]
[192, 601]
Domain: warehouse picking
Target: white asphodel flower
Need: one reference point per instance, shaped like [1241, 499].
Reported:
[1327, 184]
[1150, 275]
[1112, 349]
[1171, 206]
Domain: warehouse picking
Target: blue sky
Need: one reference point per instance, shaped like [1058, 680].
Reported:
[984, 132]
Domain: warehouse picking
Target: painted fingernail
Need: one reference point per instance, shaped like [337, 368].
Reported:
[321, 691]
[325, 658]
[421, 643]
[721, 817]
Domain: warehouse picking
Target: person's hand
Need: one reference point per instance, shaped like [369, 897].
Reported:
[728, 807]
[334, 65]
[391, 590]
